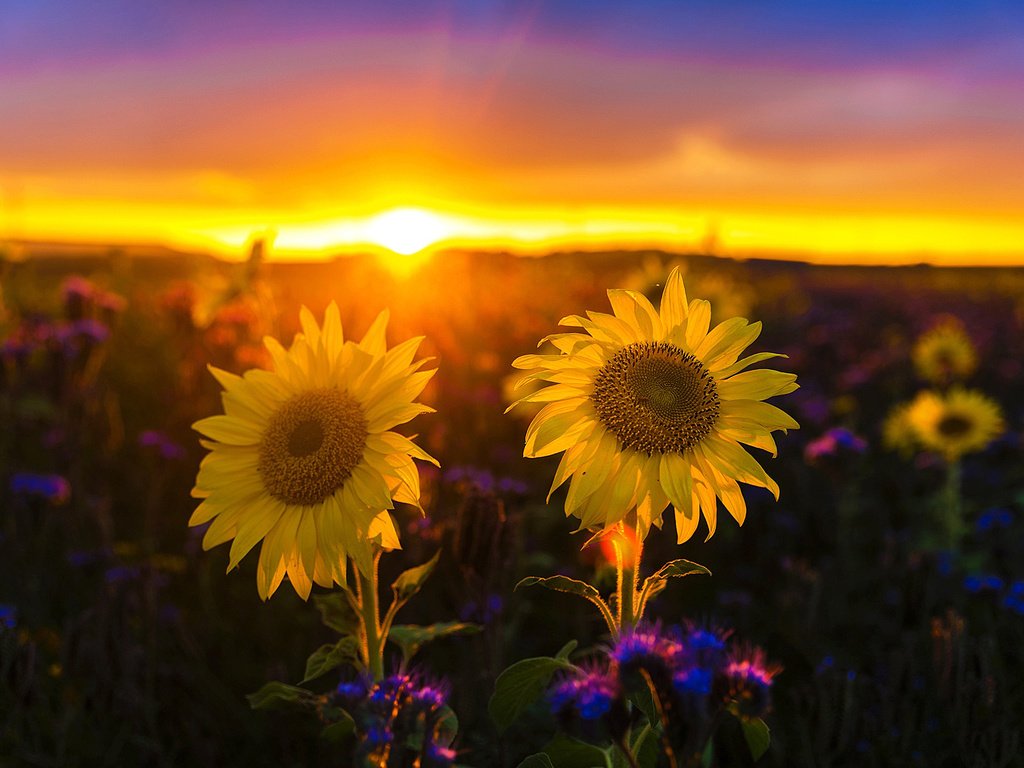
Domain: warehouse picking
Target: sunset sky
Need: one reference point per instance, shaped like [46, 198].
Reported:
[840, 131]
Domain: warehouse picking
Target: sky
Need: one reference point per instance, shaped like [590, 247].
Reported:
[838, 131]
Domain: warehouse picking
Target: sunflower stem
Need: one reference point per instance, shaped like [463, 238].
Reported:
[627, 565]
[953, 505]
[372, 640]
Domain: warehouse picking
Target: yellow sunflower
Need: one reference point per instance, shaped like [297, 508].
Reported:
[898, 433]
[651, 408]
[303, 458]
[957, 422]
[945, 353]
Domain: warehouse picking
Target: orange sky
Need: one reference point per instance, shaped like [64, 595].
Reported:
[513, 143]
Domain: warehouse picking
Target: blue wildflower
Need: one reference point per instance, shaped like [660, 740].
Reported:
[436, 756]
[53, 488]
[8, 616]
[694, 681]
[994, 517]
[590, 693]
[167, 448]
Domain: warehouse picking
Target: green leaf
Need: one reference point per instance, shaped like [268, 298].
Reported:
[274, 694]
[566, 650]
[411, 637]
[336, 612]
[340, 730]
[758, 736]
[412, 580]
[646, 748]
[676, 568]
[447, 727]
[644, 701]
[539, 760]
[444, 730]
[520, 685]
[330, 656]
[657, 581]
[707, 757]
[562, 584]
[572, 587]
[566, 752]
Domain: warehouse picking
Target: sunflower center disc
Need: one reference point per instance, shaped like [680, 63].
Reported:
[311, 445]
[306, 438]
[656, 398]
[954, 426]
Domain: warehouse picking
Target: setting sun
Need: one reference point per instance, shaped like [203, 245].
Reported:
[406, 230]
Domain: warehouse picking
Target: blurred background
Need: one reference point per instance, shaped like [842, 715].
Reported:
[176, 179]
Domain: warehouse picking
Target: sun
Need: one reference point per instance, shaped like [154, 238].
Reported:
[406, 230]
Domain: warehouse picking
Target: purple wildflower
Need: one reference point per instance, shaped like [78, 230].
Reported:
[167, 448]
[53, 488]
[835, 443]
[436, 756]
[746, 681]
[590, 693]
[8, 616]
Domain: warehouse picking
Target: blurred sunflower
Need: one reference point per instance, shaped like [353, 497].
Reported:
[957, 422]
[303, 460]
[898, 432]
[651, 408]
[945, 353]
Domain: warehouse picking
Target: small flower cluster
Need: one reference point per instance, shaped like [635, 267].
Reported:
[688, 673]
[1010, 596]
[399, 717]
[993, 518]
[837, 443]
[53, 488]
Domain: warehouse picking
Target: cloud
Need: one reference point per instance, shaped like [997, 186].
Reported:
[509, 120]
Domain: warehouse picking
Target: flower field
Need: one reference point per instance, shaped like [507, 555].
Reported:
[408, 525]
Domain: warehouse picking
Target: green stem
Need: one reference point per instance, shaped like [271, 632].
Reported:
[627, 566]
[953, 504]
[372, 639]
[623, 746]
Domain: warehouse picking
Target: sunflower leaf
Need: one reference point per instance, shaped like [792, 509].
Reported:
[679, 567]
[330, 656]
[657, 581]
[411, 581]
[411, 637]
[520, 685]
[561, 584]
[337, 613]
[274, 694]
[571, 587]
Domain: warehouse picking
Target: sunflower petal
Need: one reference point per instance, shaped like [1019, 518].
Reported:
[673, 308]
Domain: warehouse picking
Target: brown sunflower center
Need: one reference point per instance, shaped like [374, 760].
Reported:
[954, 425]
[656, 398]
[311, 445]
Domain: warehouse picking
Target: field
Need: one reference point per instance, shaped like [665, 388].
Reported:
[891, 597]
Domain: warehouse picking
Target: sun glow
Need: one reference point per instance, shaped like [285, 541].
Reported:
[406, 235]
[406, 231]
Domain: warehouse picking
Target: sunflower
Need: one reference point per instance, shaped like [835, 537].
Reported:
[957, 422]
[651, 408]
[303, 458]
[945, 353]
[898, 433]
